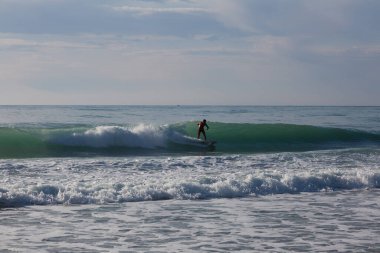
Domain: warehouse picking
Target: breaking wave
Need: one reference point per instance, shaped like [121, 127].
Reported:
[181, 187]
[176, 138]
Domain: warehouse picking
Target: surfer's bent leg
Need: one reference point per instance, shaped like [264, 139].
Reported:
[204, 134]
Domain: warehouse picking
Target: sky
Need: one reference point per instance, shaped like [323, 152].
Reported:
[190, 52]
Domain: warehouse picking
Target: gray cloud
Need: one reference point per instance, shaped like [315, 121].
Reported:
[329, 17]
[94, 16]
[338, 19]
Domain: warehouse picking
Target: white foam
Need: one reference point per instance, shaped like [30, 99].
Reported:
[141, 136]
[84, 181]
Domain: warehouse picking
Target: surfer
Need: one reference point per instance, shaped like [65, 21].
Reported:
[201, 128]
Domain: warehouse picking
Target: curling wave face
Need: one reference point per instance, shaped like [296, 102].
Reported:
[176, 138]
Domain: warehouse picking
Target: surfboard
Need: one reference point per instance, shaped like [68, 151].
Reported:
[191, 141]
[209, 143]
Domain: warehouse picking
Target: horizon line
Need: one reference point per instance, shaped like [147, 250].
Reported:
[249, 105]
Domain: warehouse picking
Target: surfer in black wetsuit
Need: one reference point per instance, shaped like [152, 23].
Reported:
[201, 128]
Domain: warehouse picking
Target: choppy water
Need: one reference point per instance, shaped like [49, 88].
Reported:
[134, 178]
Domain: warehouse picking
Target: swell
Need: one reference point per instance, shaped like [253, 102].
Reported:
[176, 138]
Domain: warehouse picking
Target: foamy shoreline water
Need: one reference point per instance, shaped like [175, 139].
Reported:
[345, 221]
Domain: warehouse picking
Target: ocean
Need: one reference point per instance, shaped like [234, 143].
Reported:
[136, 179]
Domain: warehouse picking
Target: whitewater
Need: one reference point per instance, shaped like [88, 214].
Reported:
[135, 178]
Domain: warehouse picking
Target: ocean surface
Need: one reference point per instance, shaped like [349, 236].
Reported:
[135, 179]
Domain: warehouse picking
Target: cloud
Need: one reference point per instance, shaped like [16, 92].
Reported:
[100, 17]
[11, 43]
[334, 19]
[338, 20]
[151, 10]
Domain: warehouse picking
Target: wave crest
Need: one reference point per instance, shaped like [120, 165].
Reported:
[141, 136]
